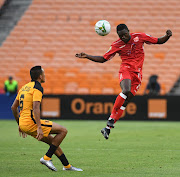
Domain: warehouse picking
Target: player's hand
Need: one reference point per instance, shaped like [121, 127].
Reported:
[21, 133]
[169, 33]
[81, 55]
[40, 134]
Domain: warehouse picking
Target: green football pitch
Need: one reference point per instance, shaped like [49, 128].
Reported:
[134, 149]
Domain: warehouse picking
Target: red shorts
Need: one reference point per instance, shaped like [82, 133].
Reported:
[135, 78]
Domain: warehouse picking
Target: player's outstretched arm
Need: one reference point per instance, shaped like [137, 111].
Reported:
[165, 38]
[98, 59]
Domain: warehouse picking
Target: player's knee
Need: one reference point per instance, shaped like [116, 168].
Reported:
[126, 91]
[64, 130]
[125, 103]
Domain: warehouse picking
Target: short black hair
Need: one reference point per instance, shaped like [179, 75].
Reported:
[10, 78]
[121, 27]
[35, 72]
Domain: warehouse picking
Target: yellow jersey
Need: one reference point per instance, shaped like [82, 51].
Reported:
[30, 92]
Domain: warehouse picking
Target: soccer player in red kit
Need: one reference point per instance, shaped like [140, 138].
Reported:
[130, 47]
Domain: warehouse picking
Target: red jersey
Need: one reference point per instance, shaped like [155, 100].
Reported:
[132, 53]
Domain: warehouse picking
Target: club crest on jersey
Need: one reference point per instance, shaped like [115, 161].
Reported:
[136, 39]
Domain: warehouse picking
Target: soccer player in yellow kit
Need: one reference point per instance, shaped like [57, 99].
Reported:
[29, 99]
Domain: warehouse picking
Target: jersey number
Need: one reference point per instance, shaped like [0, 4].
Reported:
[21, 102]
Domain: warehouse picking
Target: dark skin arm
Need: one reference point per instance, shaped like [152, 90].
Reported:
[101, 59]
[15, 111]
[165, 38]
[98, 59]
[36, 110]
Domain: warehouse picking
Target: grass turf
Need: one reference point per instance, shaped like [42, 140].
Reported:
[134, 149]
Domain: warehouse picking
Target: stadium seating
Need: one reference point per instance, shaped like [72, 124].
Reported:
[51, 32]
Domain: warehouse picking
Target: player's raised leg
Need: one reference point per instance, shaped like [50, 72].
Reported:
[59, 153]
[119, 106]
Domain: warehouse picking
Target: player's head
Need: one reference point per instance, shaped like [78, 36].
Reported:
[10, 79]
[37, 74]
[153, 79]
[123, 32]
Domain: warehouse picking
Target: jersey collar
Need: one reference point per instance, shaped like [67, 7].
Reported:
[35, 81]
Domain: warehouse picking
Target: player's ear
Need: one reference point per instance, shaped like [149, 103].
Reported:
[40, 76]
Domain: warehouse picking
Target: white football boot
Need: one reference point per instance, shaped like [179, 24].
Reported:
[72, 169]
[48, 164]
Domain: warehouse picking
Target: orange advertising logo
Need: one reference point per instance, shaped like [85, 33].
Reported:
[157, 108]
[50, 107]
[98, 107]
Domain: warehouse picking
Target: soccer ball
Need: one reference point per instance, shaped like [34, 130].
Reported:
[102, 27]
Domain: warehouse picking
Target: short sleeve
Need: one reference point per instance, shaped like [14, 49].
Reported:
[110, 53]
[148, 39]
[37, 95]
[17, 97]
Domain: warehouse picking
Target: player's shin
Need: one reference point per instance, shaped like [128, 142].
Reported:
[117, 110]
[64, 161]
[66, 164]
[118, 114]
[50, 152]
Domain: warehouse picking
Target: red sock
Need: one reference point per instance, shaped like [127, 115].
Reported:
[118, 115]
[118, 108]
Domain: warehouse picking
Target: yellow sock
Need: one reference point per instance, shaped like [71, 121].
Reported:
[68, 166]
[46, 157]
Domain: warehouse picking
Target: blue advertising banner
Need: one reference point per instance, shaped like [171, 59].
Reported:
[5, 106]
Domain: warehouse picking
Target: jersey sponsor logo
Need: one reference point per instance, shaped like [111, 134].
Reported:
[136, 39]
[26, 88]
